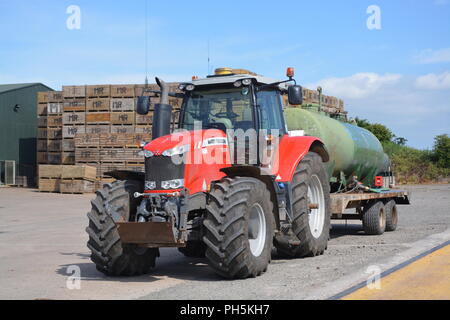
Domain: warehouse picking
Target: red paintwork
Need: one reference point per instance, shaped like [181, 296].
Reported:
[291, 151]
[202, 167]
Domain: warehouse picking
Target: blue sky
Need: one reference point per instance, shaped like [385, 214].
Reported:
[399, 75]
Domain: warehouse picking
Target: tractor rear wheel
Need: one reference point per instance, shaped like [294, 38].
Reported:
[391, 215]
[310, 230]
[115, 203]
[239, 227]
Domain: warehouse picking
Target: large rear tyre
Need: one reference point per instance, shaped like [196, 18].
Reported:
[115, 203]
[391, 215]
[310, 230]
[374, 218]
[239, 228]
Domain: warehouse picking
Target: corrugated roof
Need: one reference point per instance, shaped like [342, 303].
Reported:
[10, 87]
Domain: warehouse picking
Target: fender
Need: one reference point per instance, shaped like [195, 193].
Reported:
[291, 151]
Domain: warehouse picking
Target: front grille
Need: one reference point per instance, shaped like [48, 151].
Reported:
[162, 169]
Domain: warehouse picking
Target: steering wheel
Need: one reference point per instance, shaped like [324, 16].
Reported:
[231, 115]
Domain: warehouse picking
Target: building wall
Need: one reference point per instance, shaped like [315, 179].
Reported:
[18, 129]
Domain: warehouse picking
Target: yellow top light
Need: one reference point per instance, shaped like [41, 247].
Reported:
[223, 71]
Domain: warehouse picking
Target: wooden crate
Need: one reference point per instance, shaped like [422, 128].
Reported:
[55, 96]
[74, 91]
[41, 157]
[87, 140]
[143, 129]
[95, 164]
[114, 140]
[122, 91]
[68, 158]
[42, 109]
[98, 91]
[54, 108]
[122, 104]
[120, 154]
[98, 105]
[42, 121]
[68, 145]
[54, 133]
[98, 118]
[79, 172]
[138, 90]
[50, 171]
[49, 185]
[54, 120]
[87, 155]
[54, 145]
[71, 131]
[144, 119]
[127, 128]
[42, 97]
[74, 118]
[74, 105]
[54, 157]
[137, 138]
[122, 117]
[98, 128]
[41, 145]
[77, 186]
[42, 133]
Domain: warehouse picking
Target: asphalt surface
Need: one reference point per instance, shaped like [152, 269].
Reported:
[42, 240]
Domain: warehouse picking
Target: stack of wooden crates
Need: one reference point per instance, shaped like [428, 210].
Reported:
[67, 178]
[95, 125]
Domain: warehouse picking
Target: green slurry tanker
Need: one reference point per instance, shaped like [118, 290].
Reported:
[214, 193]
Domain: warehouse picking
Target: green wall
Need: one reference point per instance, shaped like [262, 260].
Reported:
[18, 129]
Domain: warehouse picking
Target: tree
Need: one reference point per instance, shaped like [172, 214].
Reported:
[380, 131]
[441, 151]
[400, 141]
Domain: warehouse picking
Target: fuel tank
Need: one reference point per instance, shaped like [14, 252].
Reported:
[353, 151]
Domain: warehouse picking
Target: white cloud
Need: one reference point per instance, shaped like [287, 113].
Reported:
[357, 86]
[410, 110]
[429, 56]
[434, 81]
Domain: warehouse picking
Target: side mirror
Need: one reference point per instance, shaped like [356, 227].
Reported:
[295, 95]
[143, 105]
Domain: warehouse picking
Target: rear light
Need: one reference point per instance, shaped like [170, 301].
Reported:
[290, 72]
[378, 181]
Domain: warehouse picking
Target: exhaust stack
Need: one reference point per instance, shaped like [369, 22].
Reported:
[162, 115]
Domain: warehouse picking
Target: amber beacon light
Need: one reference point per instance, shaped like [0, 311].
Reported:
[290, 72]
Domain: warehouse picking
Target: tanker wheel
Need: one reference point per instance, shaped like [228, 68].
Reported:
[239, 228]
[310, 230]
[374, 218]
[115, 203]
[391, 215]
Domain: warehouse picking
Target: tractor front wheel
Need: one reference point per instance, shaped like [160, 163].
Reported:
[115, 203]
[239, 227]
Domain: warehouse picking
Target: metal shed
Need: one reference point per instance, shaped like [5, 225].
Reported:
[18, 126]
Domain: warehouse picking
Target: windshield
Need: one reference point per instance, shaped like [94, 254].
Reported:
[219, 108]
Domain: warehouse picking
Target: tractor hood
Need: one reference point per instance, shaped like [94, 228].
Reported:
[185, 141]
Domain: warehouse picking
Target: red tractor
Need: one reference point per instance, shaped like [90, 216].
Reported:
[211, 192]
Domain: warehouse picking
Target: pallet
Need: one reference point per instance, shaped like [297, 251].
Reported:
[122, 117]
[122, 129]
[83, 172]
[87, 140]
[98, 91]
[74, 91]
[74, 186]
[74, 105]
[54, 145]
[122, 91]
[98, 118]
[74, 118]
[98, 105]
[122, 104]
[49, 185]
[87, 154]
[50, 171]
[98, 128]
[114, 154]
[54, 120]
[72, 131]
[144, 119]
[55, 97]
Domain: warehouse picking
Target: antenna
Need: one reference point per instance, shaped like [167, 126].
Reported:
[146, 43]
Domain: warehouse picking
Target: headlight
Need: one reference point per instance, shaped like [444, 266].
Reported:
[247, 82]
[146, 153]
[150, 185]
[172, 184]
[176, 150]
[190, 87]
[238, 84]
